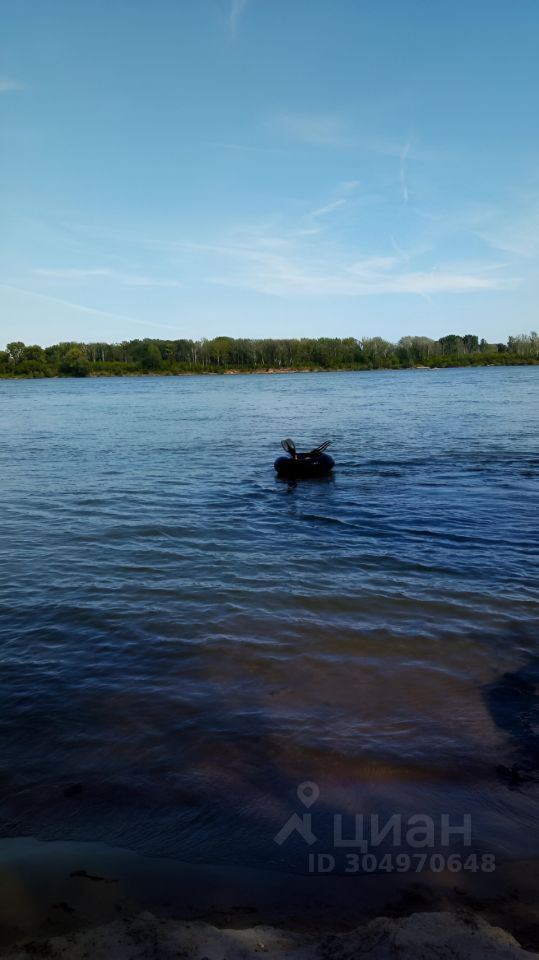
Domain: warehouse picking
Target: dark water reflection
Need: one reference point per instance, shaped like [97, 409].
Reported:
[185, 638]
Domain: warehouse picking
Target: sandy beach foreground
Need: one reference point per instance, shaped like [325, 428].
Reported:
[74, 900]
[422, 935]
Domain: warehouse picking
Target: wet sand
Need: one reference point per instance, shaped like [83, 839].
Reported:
[59, 889]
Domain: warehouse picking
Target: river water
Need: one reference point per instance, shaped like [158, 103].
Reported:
[185, 638]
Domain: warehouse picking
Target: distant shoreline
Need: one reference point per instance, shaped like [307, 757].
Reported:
[95, 374]
[229, 356]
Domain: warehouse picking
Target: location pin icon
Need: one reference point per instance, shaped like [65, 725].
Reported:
[308, 792]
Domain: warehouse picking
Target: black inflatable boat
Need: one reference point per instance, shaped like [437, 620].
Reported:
[297, 466]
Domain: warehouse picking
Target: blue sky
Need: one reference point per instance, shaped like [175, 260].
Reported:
[189, 168]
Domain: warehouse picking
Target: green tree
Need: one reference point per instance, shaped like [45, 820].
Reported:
[376, 351]
[74, 363]
[34, 353]
[452, 345]
[150, 356]
[220, 350]
[471, 342]
[16, 351]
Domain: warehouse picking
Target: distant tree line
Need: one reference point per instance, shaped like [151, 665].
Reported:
[226, 354]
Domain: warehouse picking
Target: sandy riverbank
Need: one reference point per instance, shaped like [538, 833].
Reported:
[421, 936]
[81, 899]
[232, 371]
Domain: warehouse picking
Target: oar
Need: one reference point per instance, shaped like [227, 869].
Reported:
[321, 449]
[290, 447]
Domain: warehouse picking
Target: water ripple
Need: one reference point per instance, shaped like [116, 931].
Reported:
[186, 637]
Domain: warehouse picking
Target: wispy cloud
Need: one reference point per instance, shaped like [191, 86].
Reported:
[7, 85]
[347, 187]
[254, 148]
[313, 129]
[335, 130]
[310, 277]
[316, 254]
[71, 274]
[82, 308]
[403, 255]
[342, 196]
[298, 270]
[328, 208]
[371, 266]
[328, 250]
[126, 279]
[402, 175]
[237, 8]
[518, 234]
